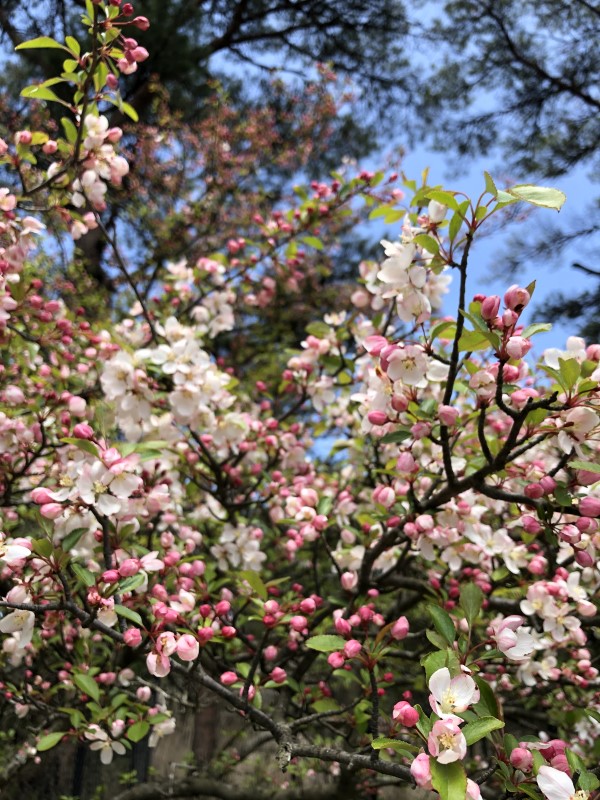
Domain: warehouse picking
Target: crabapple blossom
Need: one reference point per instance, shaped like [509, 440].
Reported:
[450, 696]
[446, 742]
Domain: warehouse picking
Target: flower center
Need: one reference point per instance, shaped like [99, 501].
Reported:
[446, 742]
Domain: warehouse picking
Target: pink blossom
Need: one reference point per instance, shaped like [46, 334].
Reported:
[511, 639]
[188, 647]
[451, 696]
[521, 758]
[400, 629]
[446, 741]
[352, 648]
[406, 714]
[421, 771]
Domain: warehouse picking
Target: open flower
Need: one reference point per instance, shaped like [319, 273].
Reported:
[557, 785]
[511, 638]
[102, 742]
[21, 622]
[450, 696]
[446, 741]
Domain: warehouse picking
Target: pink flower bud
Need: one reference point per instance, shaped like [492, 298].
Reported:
[548, 484]
[516, 298]
[41, 496]
[143, 693]
[187, 647]
[308, 606]
[530, 524]
[298, 623]
[228, 678]
[584, 559]
[400, 629]
[377, 417]
[352, 648]
[110, 576]
[278, 675]
[83, 431]
[336, 660]
[349, 581]
[522, 759]
[538, 565]
[421, 771]
[534, 491]
[490, 307]
[405, 714]
[589, 506]
[447, 415]
[139, 54]
[51, 510]
[132, 637]
[342, 626]
[406, 465]
[129, 567]
[570, 534]
[142, 23]
[517, 346]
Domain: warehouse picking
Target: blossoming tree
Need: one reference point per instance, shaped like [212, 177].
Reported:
[383, 560]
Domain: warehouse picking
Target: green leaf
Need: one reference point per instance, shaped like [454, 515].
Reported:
[436, 640]
[441, 658]
[487, 704]
[479, 728]
[424, 725]
[131, 583]
[72, 538]
[87, 685]
[562, 496]
[313, 241]
[473, 340]
[50, 740]
[69, 129]
[41, 42]
[510, 742]
[319, 329]
[538, 195]
[443, 623]
[588, 782]
[73, 45]
[41, 93]
[591, 712]
[138, 730]
[538, 761]
[82, 444]
[128, 613]
[255, 581]
[575, 762]
[490, 186]
[383, 742]
[449, 780]
[589, 466]
[84, 574]
[457, 220]
[471, 600]
[427, 243]
[445, 198]
[504, 199]
[128, 109]
[446, 326]
[42, 547]
[536, 327]
[395, 437]
[326, 643]
[569, 370]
